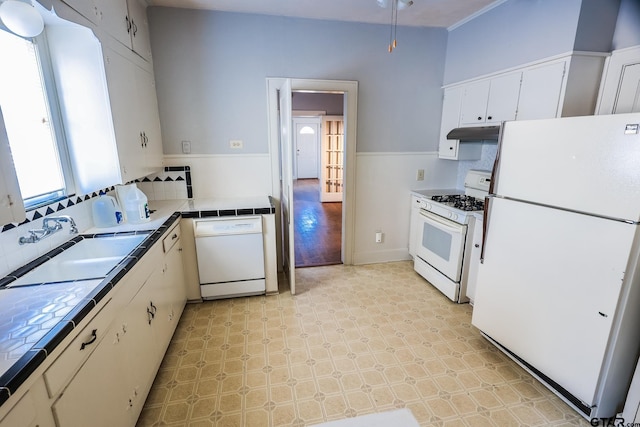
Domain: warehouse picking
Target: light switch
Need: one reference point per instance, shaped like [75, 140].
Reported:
[186, 147]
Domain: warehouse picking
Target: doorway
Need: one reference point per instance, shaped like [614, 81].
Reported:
[318, 214]
[279, 94]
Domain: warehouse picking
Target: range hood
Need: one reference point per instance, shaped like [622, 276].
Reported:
[476, 133]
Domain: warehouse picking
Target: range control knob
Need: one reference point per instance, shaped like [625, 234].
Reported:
[453, 216]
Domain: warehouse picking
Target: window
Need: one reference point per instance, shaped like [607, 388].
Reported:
[33, 126]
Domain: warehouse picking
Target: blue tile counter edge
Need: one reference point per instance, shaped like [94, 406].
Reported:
[20, 371]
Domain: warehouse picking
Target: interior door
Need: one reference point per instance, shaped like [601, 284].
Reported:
[306, 141]
[629, 94]
[286, 183]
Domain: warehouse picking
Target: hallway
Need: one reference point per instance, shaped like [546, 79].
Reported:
[318, 226]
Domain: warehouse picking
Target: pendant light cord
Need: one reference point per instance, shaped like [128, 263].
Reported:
[393, 26]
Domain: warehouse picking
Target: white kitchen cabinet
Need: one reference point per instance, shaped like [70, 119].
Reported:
[174, 280]
[11, 203]
[561, 86]
[148, 304]
[97, 395]
[124, 20]
[79, 350]
[31, 410]
[139, 31]
[134, 109]
[540, 91]
[490, 101]
[451, 148]
[86, 8]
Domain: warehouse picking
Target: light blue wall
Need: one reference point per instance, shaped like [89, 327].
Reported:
[628, 25]
[516, 32]
[596, 26]
[521, 31]
[211, 67]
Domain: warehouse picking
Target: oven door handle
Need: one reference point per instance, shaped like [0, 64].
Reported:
[443, 223]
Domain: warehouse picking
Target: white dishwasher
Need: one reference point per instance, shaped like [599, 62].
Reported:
[230, 256]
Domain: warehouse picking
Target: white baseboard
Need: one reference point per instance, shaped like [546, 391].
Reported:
[374, 257]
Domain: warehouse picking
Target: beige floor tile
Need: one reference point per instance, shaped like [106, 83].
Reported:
[353, 341]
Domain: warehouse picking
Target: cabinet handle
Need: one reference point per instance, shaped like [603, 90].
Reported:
[153, 307]
[150, 314]
[141, 140]
[126, 18]
[174, 237]
[94, 337]
[135, 28]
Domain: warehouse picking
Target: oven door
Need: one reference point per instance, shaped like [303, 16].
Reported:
[441, 244]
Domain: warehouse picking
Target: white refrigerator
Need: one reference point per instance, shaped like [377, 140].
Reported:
[559, 284]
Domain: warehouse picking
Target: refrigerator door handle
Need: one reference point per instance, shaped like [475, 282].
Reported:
[485, 226]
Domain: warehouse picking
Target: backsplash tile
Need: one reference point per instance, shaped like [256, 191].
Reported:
[172, 183]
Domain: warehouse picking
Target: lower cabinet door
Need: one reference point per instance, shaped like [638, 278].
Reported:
[99, 395]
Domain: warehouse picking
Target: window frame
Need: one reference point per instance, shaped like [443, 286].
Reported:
[48, 82]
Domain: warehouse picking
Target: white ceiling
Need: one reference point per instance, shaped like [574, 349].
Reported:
[423, 13]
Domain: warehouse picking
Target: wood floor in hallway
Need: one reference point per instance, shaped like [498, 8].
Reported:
[318, 226]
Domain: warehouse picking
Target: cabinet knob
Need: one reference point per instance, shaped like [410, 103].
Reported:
[479, 118]
[490, 117]
[450, 148]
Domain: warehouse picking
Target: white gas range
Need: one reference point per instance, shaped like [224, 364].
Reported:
[443, 229]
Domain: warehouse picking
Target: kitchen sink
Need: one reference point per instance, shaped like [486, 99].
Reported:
[90, 258]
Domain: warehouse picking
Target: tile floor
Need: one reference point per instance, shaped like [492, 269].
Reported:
[354, 340]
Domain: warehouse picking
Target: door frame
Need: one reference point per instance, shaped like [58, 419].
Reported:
[350, 112]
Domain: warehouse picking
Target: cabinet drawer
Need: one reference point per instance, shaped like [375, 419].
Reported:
[171, 239]
[65, 366]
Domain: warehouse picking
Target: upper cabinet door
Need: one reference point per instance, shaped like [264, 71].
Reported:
[503, 98]
[540, 92]
[629, 93]
[86, 8]
[115, 20]
[11, 205]
[491, 101]
[474, 103]
[123, 94]
[140, 42]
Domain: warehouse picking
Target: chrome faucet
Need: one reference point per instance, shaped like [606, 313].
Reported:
[48, 229]
[56, 224]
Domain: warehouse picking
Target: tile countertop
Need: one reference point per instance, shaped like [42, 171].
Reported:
[34, 323]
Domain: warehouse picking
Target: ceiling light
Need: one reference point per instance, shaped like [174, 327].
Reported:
[396, 5]
[21, 18]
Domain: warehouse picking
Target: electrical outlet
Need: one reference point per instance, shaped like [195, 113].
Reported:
[420, 175]
[378, 236]
[186, 147]
[235, 144]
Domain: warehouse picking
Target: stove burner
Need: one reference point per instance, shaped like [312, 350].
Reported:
[460, 201]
